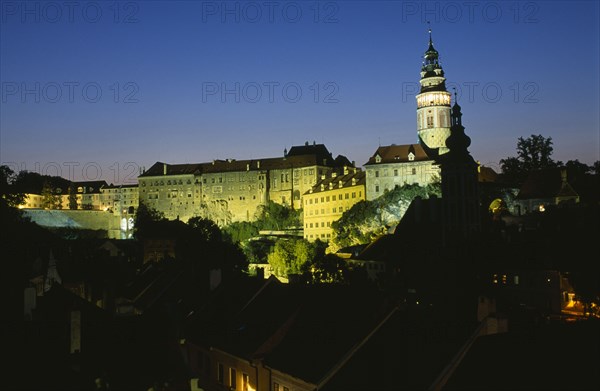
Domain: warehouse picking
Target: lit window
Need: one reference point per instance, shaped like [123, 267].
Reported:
[245, 380]
[232, 378]
[220, 373]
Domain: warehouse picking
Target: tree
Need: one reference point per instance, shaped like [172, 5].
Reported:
[204, 229]
[273, 216]
[49, 199]
[72, 197]
[10, 197]
[145, 217]
[290, 255]
[240, 231]
[533, 153]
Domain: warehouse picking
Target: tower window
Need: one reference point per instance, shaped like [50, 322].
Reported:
[430, 121]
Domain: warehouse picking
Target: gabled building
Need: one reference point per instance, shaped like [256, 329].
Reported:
[393, 166]
[545, 188]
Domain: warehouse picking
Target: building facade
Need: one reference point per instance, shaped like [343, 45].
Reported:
[331, 196]
[173, 189]
[231, 190]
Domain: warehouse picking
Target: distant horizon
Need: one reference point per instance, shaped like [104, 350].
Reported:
[100, 95]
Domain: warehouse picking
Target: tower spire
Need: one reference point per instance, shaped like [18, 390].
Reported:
[430, 40]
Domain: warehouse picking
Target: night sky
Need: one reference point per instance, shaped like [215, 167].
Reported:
[98, 89]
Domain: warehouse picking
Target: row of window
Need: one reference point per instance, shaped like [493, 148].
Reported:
[169, 182]
[232, 378]
[334, 197]
[316, 225]
[413, 171]
[276, 387]
[317, 236]
[335, 209]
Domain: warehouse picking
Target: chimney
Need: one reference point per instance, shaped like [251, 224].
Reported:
[563, 175]
[258, 163]
[164, 168]
[247, 166]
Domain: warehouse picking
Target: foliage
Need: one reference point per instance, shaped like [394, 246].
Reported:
[145, 217]
[10, 197]
[533, 153]
[273, 216]
[72, 197]
[329, 269]
[269, 217]
[367, 220]
[9, 194]
[289, 256]
[240, 231]
[596, 167]
[205, 229]
[32, 182]
[257, 250]
[49, 199]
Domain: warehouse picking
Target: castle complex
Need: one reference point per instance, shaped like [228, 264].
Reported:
[306, 177]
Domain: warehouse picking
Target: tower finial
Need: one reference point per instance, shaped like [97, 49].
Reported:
[455, 95]
[429, 25]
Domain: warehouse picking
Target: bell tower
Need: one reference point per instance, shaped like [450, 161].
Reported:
[433, 104]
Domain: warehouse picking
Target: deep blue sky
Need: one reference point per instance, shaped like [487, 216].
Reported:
[533, 68]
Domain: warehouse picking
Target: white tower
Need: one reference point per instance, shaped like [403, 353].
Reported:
[433, 104]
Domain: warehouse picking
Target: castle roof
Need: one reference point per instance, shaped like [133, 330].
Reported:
[298, 156]
[398, 154]
[346, 180]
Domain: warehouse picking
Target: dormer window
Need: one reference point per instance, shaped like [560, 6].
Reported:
[377, 158]
[411, 157]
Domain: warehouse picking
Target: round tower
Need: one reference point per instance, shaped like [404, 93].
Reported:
[433, 103]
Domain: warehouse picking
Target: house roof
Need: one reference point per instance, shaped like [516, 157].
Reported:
[546, 184]
[286, 324]
[486, 174]
[398, 154]
[346, 181]
[517, 361]
[158, 168]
